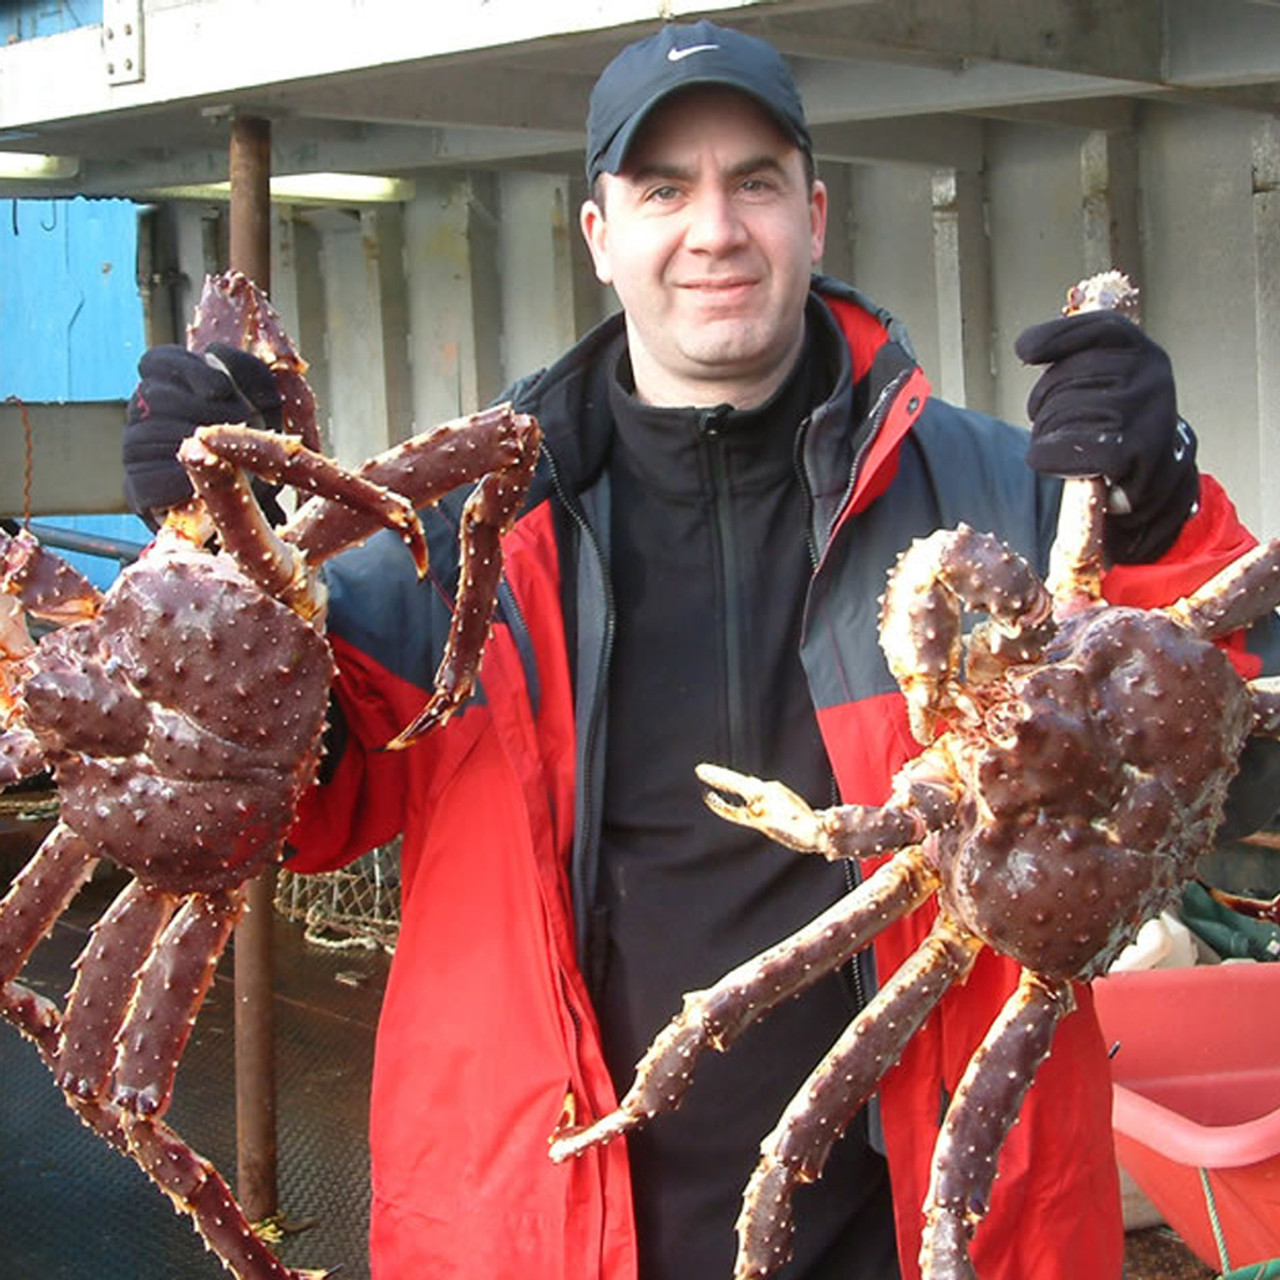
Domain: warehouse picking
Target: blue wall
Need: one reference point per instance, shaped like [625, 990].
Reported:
[26, 19]
[70, 316]
[71, 322]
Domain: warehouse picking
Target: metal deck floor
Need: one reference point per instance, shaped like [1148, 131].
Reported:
[72, 1207]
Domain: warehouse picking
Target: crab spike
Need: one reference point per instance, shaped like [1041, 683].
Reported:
[985, 1105]
[715, 1017]
[106, 979]
[822, 1108]
[168, 996]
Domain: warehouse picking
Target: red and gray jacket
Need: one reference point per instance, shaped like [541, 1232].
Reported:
[487, 1039]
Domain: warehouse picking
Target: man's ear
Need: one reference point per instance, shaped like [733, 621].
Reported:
[817, 220]
[595, 232]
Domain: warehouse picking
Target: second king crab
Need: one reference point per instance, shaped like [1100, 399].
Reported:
[181, 716]
[1075, 764]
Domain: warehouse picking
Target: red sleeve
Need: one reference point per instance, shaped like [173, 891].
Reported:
[1210, 540]
[362, 805]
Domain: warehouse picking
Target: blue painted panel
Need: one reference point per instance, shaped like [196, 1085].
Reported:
[71, 323]
[100, 570]
[25, 19]
[71, 320]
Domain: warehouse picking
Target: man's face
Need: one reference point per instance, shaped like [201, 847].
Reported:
[709, 236]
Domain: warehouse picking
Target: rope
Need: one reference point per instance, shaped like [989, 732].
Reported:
[1224, 1259]
[27, 466]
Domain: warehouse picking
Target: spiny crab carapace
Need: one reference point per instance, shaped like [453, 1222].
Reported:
[1075, 767]
[181, 715]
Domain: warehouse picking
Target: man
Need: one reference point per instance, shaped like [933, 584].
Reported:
[730, 468]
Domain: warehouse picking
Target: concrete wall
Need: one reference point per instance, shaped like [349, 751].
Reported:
[487, 272]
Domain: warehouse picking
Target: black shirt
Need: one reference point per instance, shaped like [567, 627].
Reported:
[710, 565]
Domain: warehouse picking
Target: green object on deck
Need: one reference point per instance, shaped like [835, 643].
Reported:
[1255, 1271]
[1230, 934]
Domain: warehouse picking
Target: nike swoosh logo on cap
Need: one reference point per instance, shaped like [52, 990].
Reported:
[675, 55]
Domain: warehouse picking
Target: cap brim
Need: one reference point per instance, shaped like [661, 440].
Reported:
[611, 159]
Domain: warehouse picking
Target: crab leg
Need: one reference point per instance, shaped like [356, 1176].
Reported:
[232, 309]
[170, 990]
[37, 897]
[217, 458]
[1076, 561]
[195, 1187]
[487, 515]
[190, 1181]
[1243, 591]
[1257, 908]
[1266, 706]
[986, 1104]
[423, 469]
[498, 448]
[106, 978]
[715, 1017]
[35, 582]
[21, 755]
[920, 618]
[44, 584]
[923, 801]
[15, 644]
[797, 1149]
[39, 894]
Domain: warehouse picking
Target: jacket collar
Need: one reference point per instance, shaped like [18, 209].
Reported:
[877, 390]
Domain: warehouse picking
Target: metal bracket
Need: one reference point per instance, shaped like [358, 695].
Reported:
[122, 40]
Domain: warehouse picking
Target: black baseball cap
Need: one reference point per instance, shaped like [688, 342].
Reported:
[680, 55]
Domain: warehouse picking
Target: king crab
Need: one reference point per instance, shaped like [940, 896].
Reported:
[181, 716]
[1067, 787]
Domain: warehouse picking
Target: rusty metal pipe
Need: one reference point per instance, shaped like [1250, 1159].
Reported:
[256, 1183]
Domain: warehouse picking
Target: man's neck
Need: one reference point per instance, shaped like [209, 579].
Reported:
[662, 388]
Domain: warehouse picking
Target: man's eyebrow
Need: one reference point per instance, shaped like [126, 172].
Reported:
[764, 162]
[755, 164]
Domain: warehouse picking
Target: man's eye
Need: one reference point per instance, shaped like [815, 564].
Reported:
[664, 193]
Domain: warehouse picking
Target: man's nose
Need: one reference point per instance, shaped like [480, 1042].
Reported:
[715, 224]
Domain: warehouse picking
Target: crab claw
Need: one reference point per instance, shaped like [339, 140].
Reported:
[770, 807]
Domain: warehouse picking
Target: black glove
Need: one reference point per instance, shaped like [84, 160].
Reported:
[177, 392]
[1106, 405]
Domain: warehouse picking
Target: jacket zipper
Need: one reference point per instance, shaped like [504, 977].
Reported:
[852, 869]
[710, 422]
[586, 851]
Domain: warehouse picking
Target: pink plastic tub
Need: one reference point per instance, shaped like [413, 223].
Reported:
[1197, 1101]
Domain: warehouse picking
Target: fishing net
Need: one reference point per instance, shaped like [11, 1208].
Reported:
[358, 906]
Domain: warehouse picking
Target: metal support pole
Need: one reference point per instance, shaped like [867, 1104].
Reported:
[255, 1047]
[962, 267]
[1266, 249]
